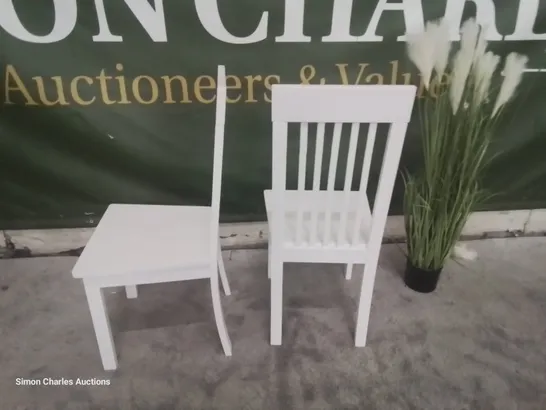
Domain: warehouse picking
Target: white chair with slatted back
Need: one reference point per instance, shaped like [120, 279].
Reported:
[329, 225]
[142, 244]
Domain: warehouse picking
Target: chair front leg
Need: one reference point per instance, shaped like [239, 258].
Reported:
[276, 268]
[101, 324]
[269, 259]
[269, 252]
[365, 302]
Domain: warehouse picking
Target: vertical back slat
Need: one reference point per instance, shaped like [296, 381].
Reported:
[334, 155]
[364, 177]
[302, 168]
[368, 154]
[317, 172]
[342, 233]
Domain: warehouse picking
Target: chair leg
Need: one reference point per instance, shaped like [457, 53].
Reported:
[131, 291]
[349, 271]
[269, 253]
[276, 268]
[269, 260]
[222, 271]
[219, 314]
[101, 324]
[365, 303]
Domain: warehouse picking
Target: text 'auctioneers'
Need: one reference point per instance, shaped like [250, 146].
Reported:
[109, 87]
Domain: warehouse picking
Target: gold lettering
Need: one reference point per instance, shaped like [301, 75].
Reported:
[394, 71]
[122, 87]
[378, 78]
[11, 73]
[104, 88]
[267, 82]
[307, 73]
[421, 90]
[169, 92]
[342, 68]
[61, 99]
[210, 84]
[407, 81]
[236, 86]
[438, 85]
[250, 87]
[153, 87]
[75, 93]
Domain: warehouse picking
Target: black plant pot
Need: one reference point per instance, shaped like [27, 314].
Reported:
[421, 280]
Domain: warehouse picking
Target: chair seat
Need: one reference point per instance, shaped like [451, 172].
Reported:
[147, 238]
[321, 201]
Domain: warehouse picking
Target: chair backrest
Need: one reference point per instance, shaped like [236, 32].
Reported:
[219, 127]
[338, 104]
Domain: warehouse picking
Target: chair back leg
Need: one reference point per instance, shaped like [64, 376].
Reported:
[222, 271]
[131, 291]
[219, 314]
[349, 271]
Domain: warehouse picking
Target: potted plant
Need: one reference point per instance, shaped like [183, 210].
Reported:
[457, 127]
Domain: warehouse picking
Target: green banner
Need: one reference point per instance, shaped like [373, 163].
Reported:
[112, 100]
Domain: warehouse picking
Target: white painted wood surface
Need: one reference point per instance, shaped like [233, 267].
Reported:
[320, 103]
[328, 225]
[137, 244]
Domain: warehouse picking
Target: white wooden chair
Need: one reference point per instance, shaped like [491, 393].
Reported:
[140, 244]
[329, 225]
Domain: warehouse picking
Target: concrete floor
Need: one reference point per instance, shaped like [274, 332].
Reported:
[478, 342]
